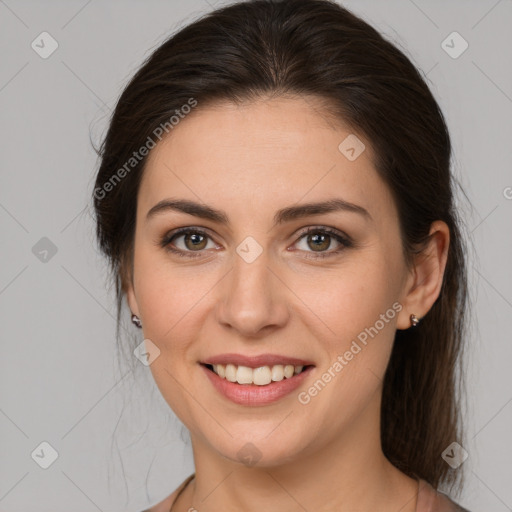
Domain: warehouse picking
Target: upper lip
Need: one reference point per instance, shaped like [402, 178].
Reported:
[256, 361]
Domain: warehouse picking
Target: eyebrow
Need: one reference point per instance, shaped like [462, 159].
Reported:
[284, 215]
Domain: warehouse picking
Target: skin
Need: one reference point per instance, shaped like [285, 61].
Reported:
[251, 160]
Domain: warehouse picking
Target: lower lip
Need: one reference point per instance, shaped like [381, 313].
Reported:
[251, 394]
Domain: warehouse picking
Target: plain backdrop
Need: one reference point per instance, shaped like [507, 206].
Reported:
[116, 444]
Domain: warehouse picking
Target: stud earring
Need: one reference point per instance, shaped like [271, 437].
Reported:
[414, 320]
[136, 321]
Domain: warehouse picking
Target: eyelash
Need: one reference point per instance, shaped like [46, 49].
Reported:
[344, 240]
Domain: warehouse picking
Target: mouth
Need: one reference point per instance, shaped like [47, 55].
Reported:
[256, 386]
[260, 376]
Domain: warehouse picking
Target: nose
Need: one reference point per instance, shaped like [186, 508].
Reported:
[252, 298]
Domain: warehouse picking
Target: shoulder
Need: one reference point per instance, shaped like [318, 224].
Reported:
[431, 500]
[166, 504]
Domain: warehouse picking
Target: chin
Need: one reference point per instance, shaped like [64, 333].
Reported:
[272, 451]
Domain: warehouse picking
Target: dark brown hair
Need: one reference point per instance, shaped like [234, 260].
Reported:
[316, 48]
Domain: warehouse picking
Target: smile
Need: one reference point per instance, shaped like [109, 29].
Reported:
[259, 376]
[259, 386]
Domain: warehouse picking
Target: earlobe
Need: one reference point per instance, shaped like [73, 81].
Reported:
[425, 282]
[132, 304]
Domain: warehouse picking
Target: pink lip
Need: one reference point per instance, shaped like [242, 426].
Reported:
[256, 361]
[253, 395]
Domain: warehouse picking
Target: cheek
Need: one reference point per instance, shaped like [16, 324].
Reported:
[350, 299]
[356, 332]
[357, 308]
[172, 304]
[167, 295]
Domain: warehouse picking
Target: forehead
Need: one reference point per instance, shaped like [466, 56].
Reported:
[264, 155]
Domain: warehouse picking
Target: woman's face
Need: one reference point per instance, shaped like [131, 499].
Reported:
[253, 283]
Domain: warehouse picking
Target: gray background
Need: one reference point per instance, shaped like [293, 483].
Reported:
[119, 446]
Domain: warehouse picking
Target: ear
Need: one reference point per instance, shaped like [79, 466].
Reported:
[132, 301]
[425, 279]
[128, 288]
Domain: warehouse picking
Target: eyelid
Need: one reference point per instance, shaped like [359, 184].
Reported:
[325, 229]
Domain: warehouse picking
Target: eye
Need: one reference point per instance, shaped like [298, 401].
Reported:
[192, 241]
[320, 239]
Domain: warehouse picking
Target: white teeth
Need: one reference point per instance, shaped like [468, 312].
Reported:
[220, 370]
[230, 372]
[260, 376]
[289, 370]
[244, 375]
[277, 372]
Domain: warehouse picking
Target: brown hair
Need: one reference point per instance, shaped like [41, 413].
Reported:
[317, 48]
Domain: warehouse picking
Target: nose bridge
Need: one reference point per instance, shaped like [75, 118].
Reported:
[251, 299]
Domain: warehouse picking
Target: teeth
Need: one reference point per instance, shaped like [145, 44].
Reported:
[277, 373]
[260, 376]
[220, 370]
[230, 372]
[289, 370]
[244, 375]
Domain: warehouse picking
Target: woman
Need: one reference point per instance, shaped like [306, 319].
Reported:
[276, 203]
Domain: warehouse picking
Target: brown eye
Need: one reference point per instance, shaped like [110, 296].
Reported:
[194, 241]
[319, 240]
[186, 241]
